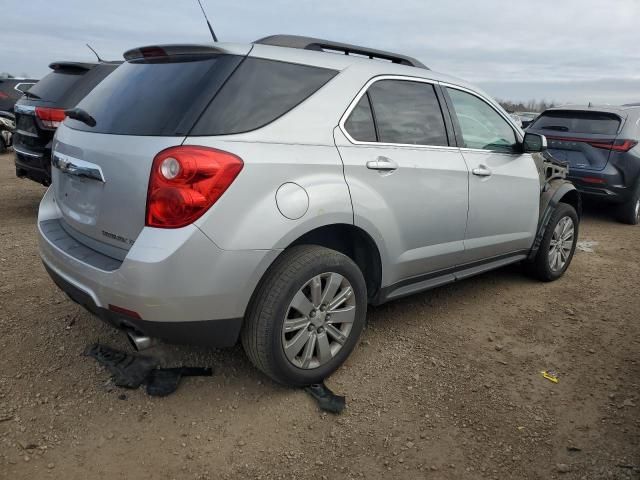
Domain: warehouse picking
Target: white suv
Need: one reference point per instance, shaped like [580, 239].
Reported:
[271, 191]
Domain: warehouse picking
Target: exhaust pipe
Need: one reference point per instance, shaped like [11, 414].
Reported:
[139, 342]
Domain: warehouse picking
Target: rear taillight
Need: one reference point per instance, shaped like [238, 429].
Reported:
[3, 96]
[616, 145]
[50, 117]
[185, 182]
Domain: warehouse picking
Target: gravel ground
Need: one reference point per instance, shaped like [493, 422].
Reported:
[445, 384]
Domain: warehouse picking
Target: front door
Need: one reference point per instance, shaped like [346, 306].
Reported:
[504, 185]
[408, 185]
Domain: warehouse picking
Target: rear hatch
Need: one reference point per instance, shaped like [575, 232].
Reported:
[584, 139]
[149, 103]
[41, 110]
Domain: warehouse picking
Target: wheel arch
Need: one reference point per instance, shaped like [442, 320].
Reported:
[355, 243]
[560, 191]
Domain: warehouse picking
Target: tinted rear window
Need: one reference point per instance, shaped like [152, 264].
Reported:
[599, 123]
[55, 85]
[258, 93]
[160, 97]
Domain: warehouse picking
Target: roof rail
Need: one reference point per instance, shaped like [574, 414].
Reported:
[317, 44]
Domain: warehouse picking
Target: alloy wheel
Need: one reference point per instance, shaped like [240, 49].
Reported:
[561, 244]
[319, 320]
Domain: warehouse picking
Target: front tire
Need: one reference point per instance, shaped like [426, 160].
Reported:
[306, 316]
[558, 245]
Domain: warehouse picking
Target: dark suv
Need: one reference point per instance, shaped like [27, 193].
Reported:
[601, 146]
[41, 110]
[11, 89]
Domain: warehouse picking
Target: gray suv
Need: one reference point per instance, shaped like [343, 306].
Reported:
[271, 191]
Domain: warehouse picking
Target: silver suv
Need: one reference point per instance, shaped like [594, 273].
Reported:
[271, 191]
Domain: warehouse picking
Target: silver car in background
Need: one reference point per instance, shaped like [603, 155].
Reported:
[271, 191]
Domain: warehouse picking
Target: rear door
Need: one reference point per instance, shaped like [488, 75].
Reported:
[581, 138]
[407, 182]
[504, 185]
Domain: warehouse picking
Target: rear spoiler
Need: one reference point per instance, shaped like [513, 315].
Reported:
[71, 66]
[158, 51]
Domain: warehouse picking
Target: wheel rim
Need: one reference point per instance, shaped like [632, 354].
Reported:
[561, 244]
[637, 211]
[319, 320]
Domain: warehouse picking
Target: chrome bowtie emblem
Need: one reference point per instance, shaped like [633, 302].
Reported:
[77, 167]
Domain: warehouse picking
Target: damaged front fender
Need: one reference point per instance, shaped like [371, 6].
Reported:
[554, 189]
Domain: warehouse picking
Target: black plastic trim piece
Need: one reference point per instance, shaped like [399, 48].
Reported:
[320, 45]
[385, 293]
[545, 217]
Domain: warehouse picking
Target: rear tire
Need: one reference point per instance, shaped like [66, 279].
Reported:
[629, 212]
[297, 348]
[3, 146]
[558, 245]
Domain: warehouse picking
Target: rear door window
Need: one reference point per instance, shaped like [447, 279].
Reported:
[360, 123]
[482, 127]
[598, 123]
[408, 113]
[259, 92]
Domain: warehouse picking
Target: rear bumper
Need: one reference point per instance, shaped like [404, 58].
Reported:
[215, 333]
[184, 288]
[33, 165]
[602, 185]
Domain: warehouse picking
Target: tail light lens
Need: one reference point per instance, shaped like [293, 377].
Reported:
[619, 145]
[616, 145]
[185, 182]
[50, 117]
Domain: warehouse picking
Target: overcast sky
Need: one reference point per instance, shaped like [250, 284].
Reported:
[562, 50]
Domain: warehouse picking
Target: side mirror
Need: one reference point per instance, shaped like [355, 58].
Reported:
[534, 143]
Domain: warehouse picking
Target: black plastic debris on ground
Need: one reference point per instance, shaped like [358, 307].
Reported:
[327, 400]
[131, 371]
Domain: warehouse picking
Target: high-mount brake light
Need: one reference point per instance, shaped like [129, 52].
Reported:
[185, 182]
[50, 117]
[153, 52]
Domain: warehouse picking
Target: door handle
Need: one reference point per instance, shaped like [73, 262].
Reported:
[482, 171]
[382, 163]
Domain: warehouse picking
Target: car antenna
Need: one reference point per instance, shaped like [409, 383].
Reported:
[94, 52]
[215, 39]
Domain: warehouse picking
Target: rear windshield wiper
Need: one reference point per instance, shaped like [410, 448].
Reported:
[559, 128]
[28, 94]
[81, 115]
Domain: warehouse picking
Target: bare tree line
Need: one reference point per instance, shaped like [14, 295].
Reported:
[530, 106]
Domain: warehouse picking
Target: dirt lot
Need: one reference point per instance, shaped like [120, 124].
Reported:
[446, 384]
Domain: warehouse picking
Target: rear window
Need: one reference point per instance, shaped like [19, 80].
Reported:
[197, 95]
[599, 123]
[155, 97]
[55, 85]
[258, 93]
